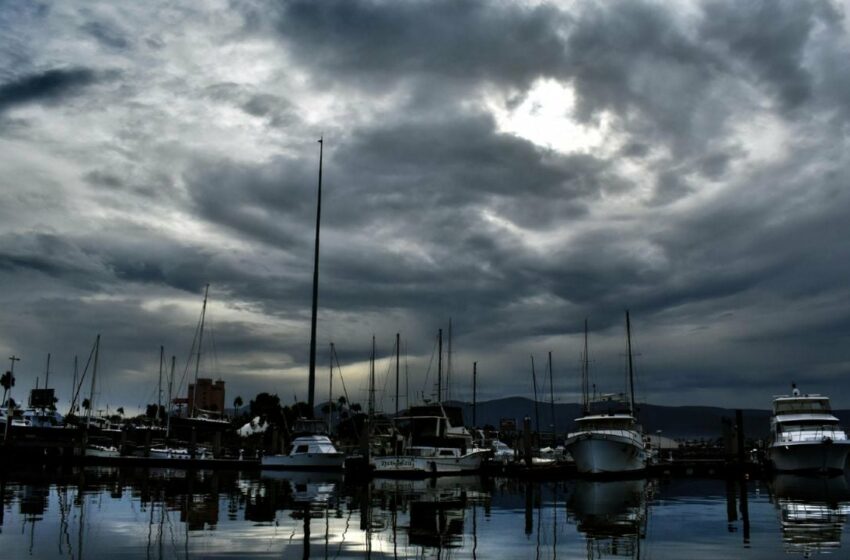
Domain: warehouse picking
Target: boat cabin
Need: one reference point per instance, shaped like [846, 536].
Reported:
[808, 404]
[311, 445]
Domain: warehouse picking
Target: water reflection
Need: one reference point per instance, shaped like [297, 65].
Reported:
[168, 514]
[813, 511]
[612, 515]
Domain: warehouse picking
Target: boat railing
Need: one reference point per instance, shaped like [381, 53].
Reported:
[629, 434]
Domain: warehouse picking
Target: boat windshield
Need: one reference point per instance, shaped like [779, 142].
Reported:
[801, 406]
[801, 425]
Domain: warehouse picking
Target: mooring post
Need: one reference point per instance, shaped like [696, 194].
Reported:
[526, 440]
[739, 430]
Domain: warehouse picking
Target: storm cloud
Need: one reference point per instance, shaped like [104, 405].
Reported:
[516, 167]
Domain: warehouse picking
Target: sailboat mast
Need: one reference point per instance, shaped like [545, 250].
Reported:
[536, 408]
[312, 380]
[93, 377]
[440, 365]
[397, 367]
[585, 392]
[551, 396]
[159, 386]
[631, 368]
[331, 386]
[474, 393]
[449, 364]
[198, 355]
[372, 380]
[47, 373]
[170, 386]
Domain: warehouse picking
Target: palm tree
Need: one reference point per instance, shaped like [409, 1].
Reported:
[237, 403]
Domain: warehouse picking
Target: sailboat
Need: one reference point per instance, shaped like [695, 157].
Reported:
[208, 420]
[608, 438]
[434, 439]
[311, 449]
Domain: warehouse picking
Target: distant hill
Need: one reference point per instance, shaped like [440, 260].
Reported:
[673, 421]
[690, 422]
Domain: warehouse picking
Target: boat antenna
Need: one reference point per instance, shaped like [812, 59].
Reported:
[311, 393]
[198, 355]
[631, 368]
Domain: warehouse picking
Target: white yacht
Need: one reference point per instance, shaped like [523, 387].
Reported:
[307, 452]
[607, 443]
[805, 436]
[435, 442]
[608, 438]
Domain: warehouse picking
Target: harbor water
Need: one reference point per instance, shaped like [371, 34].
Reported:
[79, 513]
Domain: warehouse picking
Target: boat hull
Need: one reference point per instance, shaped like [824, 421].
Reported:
[818, 456]
[403, 465]
[606, 453]
[306, 461]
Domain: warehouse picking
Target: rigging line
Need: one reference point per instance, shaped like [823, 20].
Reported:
[80, 384]
[406, 378]
[183, 378]
[430, 364]
[387, 377]
[342, 380]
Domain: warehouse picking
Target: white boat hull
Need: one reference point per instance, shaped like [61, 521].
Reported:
[305, 461]
[812, 456]
[175, 453]
[102, 453]
[428, 466]
[596, 453]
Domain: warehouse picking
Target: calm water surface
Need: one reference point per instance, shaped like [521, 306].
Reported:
[160, 513]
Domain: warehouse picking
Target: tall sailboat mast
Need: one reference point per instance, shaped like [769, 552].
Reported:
[631, 369]
[198, 354]
[312, 381]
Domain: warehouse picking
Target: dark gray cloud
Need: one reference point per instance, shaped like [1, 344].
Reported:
[48, 86]
[707, 195]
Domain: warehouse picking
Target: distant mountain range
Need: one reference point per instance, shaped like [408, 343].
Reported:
[673, 421]
[679, 422]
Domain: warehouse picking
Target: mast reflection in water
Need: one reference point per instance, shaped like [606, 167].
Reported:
[174, 514]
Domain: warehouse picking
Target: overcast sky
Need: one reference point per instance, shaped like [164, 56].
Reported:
[516, 166]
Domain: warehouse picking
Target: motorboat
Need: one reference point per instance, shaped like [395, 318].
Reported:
[805, 436]
[608, 438]
[434, 442]
[607, 443]
[307, 452]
